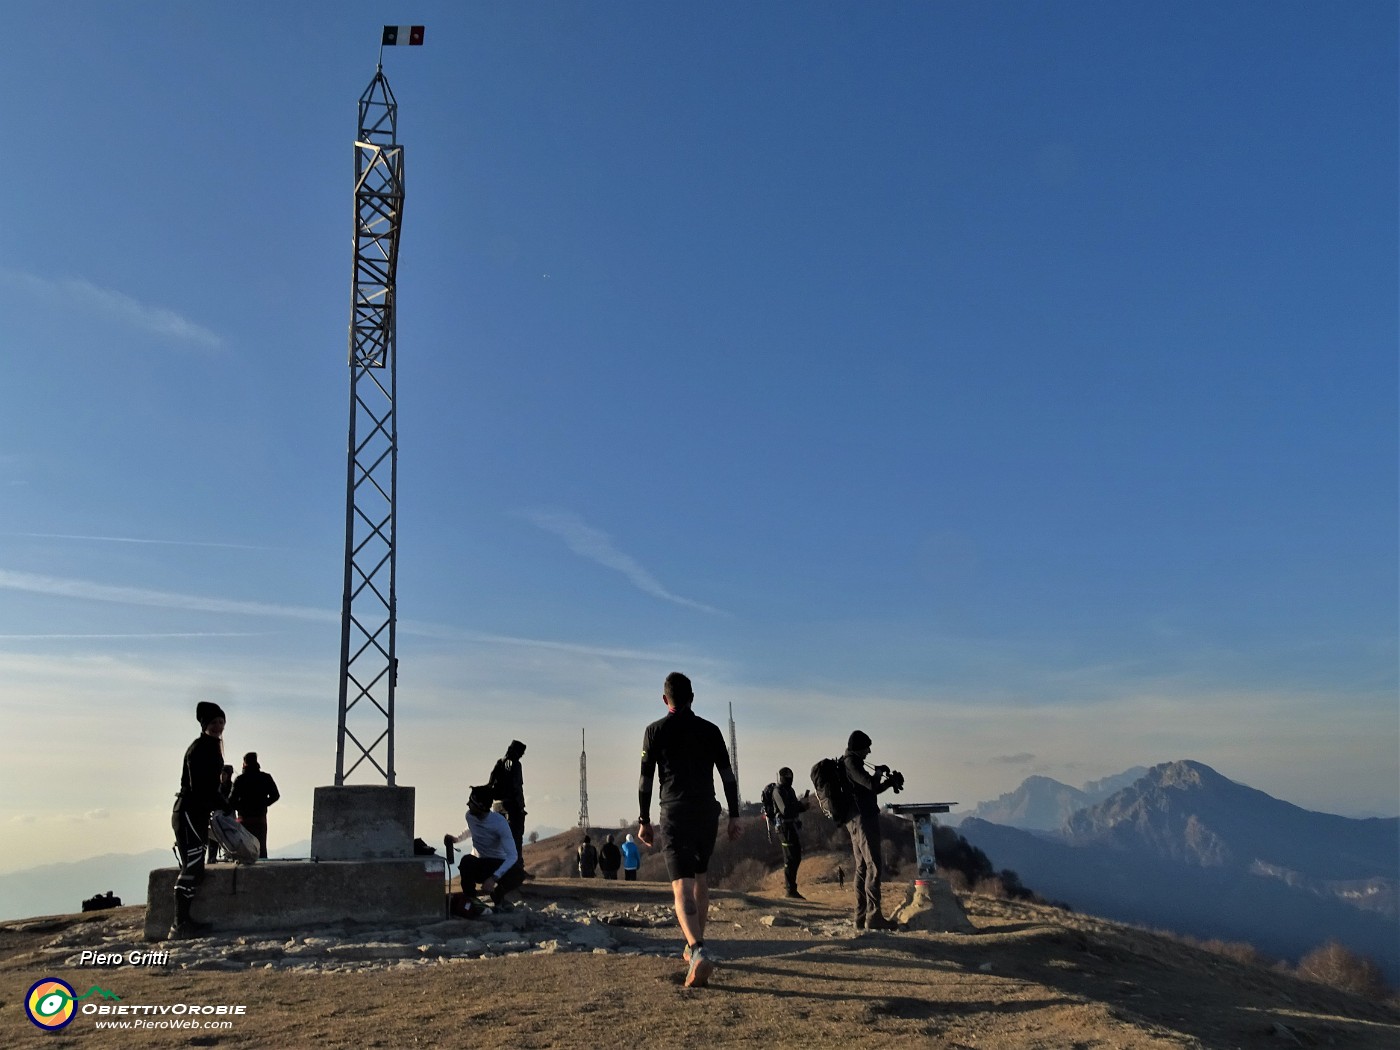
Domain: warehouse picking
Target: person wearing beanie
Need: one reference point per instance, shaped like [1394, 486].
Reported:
[864, 829]
[609, 858]
[788, 809]
[507, 784]
[253, 792]
[631, 859]
[198, 797]
[493, 866]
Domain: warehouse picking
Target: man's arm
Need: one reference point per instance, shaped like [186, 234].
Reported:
[272, 793]
[644, 784]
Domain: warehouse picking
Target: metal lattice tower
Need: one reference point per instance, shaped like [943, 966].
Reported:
[368, 664]
[583, 782]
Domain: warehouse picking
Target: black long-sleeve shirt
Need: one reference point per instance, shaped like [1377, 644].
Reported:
[253, 792]
[200, 774]
[687, 750]
[864, 785]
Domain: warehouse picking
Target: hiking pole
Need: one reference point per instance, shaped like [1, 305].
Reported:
[448, 845]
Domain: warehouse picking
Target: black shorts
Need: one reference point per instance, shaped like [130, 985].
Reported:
[688, 839]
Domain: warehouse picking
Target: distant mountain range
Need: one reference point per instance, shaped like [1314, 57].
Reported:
[1044, 804]
[1184, 848]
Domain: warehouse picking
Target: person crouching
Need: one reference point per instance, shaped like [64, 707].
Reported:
[493, 866]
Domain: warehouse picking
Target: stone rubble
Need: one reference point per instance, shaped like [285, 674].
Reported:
[525, 929]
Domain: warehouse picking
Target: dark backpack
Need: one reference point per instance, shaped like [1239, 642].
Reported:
[833, 790]
[770, 803]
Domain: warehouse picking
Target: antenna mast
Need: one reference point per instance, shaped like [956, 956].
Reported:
[583, 782]
[368, 661]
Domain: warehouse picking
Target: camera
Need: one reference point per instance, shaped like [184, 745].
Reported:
[897, 781]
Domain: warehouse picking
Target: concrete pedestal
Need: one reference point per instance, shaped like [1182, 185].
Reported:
[360, 822]
[296, 895]
[931, 905]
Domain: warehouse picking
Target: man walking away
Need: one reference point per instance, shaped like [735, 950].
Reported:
[587, 858]
[631, 859]
[253, 792]
[788, 811]
[198, 797]
[864, 829]
[687, 750]
[609, 859]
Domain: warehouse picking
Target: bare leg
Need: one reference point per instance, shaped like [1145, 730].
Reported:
[702, 905]
[688, 912]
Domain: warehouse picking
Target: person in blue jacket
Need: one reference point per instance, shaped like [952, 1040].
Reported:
[631, 859]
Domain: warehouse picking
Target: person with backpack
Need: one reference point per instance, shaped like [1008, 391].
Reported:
[198, 797]
[507, 784]
[864, 828]
[631, 859]
[253, 792]
[687, 750]
[782, 809]
[587, 858]
[609, 859]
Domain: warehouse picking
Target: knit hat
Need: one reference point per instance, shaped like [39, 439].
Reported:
[785, 775]
[480, 797]
[206, 711]
[858, 742]
[630, 838]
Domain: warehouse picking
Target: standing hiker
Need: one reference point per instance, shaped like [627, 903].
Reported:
[587, 858]
[198, 797]
[864, 829]
[687, 750]
[787, 820]
[609, 859]
[253, 792]
[631, 859]
[507, 785]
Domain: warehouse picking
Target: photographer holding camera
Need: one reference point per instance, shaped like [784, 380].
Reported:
[864, 828]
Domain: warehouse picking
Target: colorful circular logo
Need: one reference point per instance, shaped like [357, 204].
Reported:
[50, 1004]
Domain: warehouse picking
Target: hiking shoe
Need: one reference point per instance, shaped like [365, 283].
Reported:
[879, 922]
[183, 931]
[686, 954]
[794, 895]
[700, 969]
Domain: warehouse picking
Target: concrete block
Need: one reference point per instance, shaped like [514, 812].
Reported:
[361, 821]
[296, 895]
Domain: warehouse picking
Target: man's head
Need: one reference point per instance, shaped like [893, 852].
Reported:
[250, 760]
[227, 773]
[677, 692]
[515, 750]
[479, 801]
[586, 840]
[785, 776]
[610, 838]
[211, 717]
[858, 744]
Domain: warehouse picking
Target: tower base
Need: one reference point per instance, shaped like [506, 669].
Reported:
[931, 905]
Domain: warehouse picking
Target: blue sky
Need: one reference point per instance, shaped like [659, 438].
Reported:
[1014, 382]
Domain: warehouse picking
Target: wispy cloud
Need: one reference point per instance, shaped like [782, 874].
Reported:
[87, 590]
[78, 294]
[146, 636]
[135, 539]
[596, 545]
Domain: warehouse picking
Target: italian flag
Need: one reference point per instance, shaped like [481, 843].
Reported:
[402, 35]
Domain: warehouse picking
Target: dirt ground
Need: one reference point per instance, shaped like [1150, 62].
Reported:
[1032, 977]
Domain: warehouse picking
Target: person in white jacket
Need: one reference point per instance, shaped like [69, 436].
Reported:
[493, 866]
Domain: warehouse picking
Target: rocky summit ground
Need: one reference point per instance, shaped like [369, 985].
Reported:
[594, 963]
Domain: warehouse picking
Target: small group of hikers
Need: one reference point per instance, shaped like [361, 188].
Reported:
[207, 786]
[608, 860]
[681, 753]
